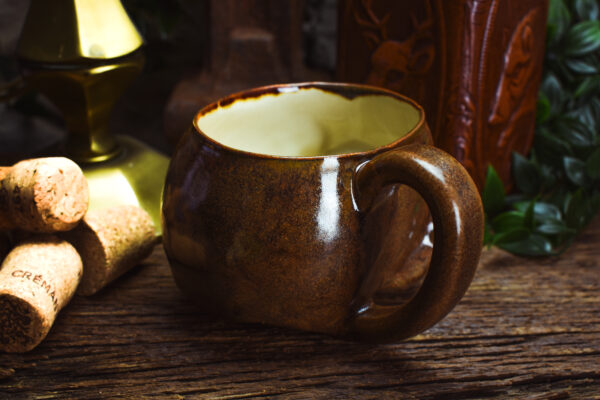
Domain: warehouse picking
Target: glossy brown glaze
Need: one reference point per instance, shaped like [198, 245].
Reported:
[281, 240]
[458, 219]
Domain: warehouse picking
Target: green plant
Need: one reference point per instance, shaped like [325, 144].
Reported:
[558, 185]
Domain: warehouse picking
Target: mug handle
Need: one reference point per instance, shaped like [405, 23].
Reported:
[457, 213]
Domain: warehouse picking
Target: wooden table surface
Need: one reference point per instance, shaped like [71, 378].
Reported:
[526, 329]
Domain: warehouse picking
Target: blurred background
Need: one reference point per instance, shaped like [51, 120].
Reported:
[178, 50]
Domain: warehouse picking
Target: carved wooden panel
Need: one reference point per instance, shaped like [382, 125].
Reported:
[474, 65]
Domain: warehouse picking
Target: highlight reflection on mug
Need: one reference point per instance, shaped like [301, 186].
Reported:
[329, 206]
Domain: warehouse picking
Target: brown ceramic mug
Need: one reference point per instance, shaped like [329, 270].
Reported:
[298, 205]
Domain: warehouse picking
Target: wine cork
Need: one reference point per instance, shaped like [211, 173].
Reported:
[110, 242]
[37, 279]
[4, 171]
[42, 195]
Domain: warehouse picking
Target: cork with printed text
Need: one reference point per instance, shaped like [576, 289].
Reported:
[37, 279]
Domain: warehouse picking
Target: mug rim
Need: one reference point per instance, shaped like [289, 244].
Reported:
[323, 85]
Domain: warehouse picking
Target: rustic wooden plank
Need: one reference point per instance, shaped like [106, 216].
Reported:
[526, 329]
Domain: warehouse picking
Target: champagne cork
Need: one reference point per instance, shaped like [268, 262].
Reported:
[42, 195]
[110, 242]
[37, 279]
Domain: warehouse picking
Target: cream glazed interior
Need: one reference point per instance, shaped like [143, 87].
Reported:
[308, 122]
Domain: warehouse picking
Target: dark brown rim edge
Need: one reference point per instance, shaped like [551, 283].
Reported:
[361, 89]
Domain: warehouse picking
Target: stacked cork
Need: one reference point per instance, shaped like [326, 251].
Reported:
[63, 248]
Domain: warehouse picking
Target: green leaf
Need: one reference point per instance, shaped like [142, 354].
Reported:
[536, 211]
[548, 177]
[590, 112]
[592, 165]
[586, 9]
[553, 91]
[528, 220]
[586, 114]
[582, 66]
[526, 174]
[559, 19]
[574, 132]
[594, 106]
[514, 235]
[545, 211]
[493, 195]
[553, 226]
[488, 235]
[575, 210]
[590, 85]
[521, 206]
[567, 203]
[507, 221]
[582, 38]
[575, 170]
[551, 148]
[533, 245]
[543, 109]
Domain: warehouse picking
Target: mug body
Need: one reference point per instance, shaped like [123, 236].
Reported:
[260, 223]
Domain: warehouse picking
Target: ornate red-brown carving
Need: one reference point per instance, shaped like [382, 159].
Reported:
[479, 84]
[515, 97]
[394, 63]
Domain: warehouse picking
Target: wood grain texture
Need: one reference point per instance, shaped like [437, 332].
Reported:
[527, 329]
